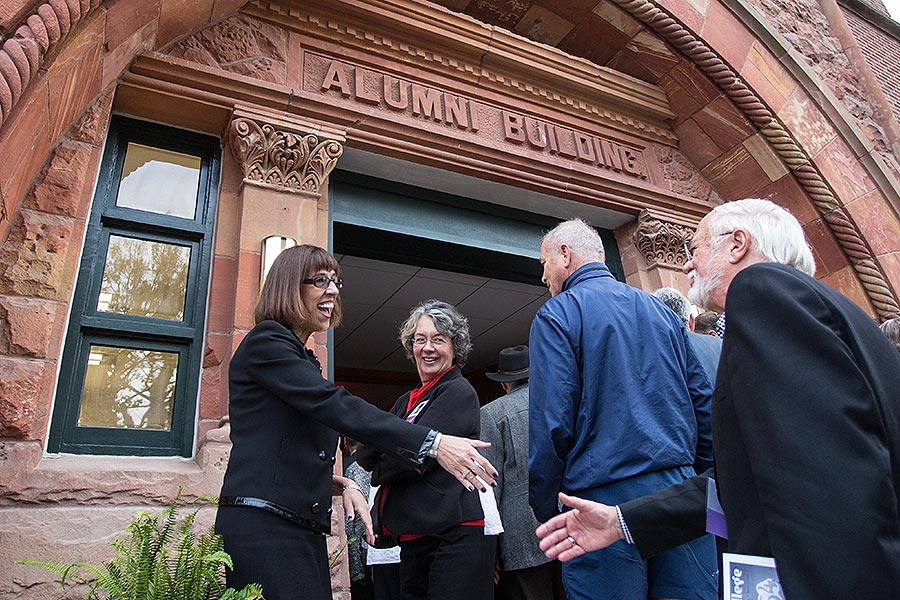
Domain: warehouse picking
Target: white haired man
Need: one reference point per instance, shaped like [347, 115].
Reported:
[616, 412]
[806, 423]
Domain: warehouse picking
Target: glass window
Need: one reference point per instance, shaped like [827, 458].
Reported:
[130, 368]
[128, 388]
[144, 278]
[159, 180]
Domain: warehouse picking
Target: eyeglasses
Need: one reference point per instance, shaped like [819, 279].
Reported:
[421, 340]
[323, 281]
[689, 250]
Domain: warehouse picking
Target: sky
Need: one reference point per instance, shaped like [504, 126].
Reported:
[893, 7]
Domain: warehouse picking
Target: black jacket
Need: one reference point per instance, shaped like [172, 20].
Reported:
[806, 426]
[429, 500]
[285, 419]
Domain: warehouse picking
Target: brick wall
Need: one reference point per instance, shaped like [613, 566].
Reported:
[882, 51]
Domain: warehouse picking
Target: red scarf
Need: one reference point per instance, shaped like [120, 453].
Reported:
[416, 394]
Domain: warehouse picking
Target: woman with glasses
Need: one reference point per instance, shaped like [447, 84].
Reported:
[444, 553]
[275, 504]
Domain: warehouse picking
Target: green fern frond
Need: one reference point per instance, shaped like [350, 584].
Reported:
[162, 559]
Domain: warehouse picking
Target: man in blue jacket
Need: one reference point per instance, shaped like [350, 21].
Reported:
[806, 422]
[620, 407]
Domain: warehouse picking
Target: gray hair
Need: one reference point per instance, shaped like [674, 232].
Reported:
[578, 235]
[676, 301]
[447, 320]
[775, 233]
[891, 329]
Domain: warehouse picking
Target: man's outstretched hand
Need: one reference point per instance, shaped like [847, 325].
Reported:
[589, 526]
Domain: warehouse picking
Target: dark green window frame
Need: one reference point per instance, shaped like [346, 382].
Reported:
[88, 326]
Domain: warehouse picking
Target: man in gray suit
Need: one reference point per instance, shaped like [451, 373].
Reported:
[524, 572]
[707, 347]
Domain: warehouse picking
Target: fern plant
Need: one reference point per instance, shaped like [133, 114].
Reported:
[161, 560]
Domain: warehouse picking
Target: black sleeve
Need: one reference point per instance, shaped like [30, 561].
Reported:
[453, 410]
[668, 518]
[273, 358]
[368, 457]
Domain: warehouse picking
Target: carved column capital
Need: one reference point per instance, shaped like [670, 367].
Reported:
[661, 243]
[294, 155]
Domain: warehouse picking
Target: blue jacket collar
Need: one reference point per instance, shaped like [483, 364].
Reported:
[588, 271]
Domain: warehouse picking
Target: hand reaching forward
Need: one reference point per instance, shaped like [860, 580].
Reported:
[356, 506]
[590, 526]
[459, 456]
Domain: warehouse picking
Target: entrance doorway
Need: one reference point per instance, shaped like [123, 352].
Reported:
[399, 245]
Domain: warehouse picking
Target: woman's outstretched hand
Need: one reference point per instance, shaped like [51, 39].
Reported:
[459, 456]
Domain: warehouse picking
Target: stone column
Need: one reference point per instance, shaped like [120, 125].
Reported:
[657, 255]
[285, 162]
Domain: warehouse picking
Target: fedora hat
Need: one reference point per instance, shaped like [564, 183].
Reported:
[512, 365]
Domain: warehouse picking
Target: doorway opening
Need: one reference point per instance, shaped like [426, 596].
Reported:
[399, 245]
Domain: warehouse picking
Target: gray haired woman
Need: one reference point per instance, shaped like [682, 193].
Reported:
[444, 553]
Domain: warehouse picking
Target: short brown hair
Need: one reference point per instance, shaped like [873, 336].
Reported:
[280, 299]
[706, 322]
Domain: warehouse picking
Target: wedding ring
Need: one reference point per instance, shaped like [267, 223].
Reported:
[571, 540]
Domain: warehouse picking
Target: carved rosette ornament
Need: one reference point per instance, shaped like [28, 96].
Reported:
[661, 243]
[273, 154]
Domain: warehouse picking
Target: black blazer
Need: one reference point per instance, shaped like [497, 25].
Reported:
[429, 500]
[285, 419]
[806, 428]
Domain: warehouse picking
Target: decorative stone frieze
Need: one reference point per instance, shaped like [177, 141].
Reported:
[593, 92]
[661, 243]
[240, 44]
[293, 155]
[680, 175]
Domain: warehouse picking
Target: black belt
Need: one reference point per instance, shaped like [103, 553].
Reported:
[275, 509]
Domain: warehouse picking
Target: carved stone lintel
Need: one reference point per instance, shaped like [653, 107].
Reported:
[661, 243]
[294, 155]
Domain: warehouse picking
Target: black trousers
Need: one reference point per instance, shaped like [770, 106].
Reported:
[386, 580]
[457, 564]
[543, 582]
[289, 561]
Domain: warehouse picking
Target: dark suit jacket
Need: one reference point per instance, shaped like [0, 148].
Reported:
[806, 427]
[285, 419]
[428, 500]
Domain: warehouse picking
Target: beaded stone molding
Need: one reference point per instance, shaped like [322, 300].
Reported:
[22, 54]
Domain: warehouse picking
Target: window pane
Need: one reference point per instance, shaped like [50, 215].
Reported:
[128, 388]
[144, 278]
[159, 181]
